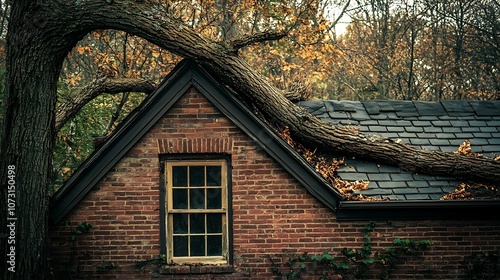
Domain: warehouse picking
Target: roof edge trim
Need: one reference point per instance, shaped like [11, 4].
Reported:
[419, 210]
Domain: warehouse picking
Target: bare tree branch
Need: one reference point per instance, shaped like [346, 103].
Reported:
[239, 43]
[99, 86]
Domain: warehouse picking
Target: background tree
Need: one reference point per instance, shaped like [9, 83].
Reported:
[421, 50]
[105, 61]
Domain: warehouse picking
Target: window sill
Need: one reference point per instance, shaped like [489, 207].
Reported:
[196, 269]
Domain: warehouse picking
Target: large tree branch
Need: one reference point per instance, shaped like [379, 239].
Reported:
[97, 87]
[166, 32]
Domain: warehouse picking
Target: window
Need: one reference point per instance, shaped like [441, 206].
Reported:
[196, 207]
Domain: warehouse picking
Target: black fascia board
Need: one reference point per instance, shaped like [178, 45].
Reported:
[187, 74]
[419, 210]
[125, 136]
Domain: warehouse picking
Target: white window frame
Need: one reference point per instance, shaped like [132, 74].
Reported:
[171, 259]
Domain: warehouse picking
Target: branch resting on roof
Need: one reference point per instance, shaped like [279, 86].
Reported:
[97, 87]
[251, 86]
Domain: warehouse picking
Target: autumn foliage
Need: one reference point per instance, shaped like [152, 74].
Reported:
[467, 191]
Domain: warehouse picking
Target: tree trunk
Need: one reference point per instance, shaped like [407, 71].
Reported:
[36, 48]
[40, 35]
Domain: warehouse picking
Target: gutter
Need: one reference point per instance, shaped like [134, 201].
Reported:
[419, 210]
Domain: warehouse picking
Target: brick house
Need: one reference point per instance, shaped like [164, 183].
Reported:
[194, 177]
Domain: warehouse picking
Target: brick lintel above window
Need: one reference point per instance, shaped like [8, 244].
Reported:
[195, 145]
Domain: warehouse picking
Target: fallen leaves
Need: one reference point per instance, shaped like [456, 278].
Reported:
[465, 149]
[327, 168]
[473, 192]
[285, 134]
[348, 189]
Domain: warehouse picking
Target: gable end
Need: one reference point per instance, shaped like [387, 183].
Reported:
[187, 74]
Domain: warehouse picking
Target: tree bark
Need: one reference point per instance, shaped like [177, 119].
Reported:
[42, 32]
[36, 48]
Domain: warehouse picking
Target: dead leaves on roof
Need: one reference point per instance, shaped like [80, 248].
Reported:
[347, 188]
[327, 168]
[473, 192]
[285, 134]
[465, 149]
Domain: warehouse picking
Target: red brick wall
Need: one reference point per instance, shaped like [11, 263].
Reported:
[273, 215]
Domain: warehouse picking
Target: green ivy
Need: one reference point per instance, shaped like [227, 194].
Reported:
[73, 264]
[82, 228]
[106, 266]
[355, 263]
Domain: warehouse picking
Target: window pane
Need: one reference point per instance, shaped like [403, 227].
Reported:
[197, 175]
[179, 176]
[214, 176]
[214, 245]
[180, 246]
[180, 198]
[214, 198]
[214, 223]
[180, 223]
[197, 224]
[197, 246]
[197, 198]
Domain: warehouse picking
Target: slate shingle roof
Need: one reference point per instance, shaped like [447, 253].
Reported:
[440, 126]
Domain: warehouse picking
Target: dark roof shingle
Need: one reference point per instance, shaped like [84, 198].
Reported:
[439, 126]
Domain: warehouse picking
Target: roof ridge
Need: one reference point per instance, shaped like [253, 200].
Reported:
[408, 108]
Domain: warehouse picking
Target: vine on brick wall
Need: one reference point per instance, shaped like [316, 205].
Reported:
[82, 228]
[106, 266]
[76, 256]
[352, 263]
